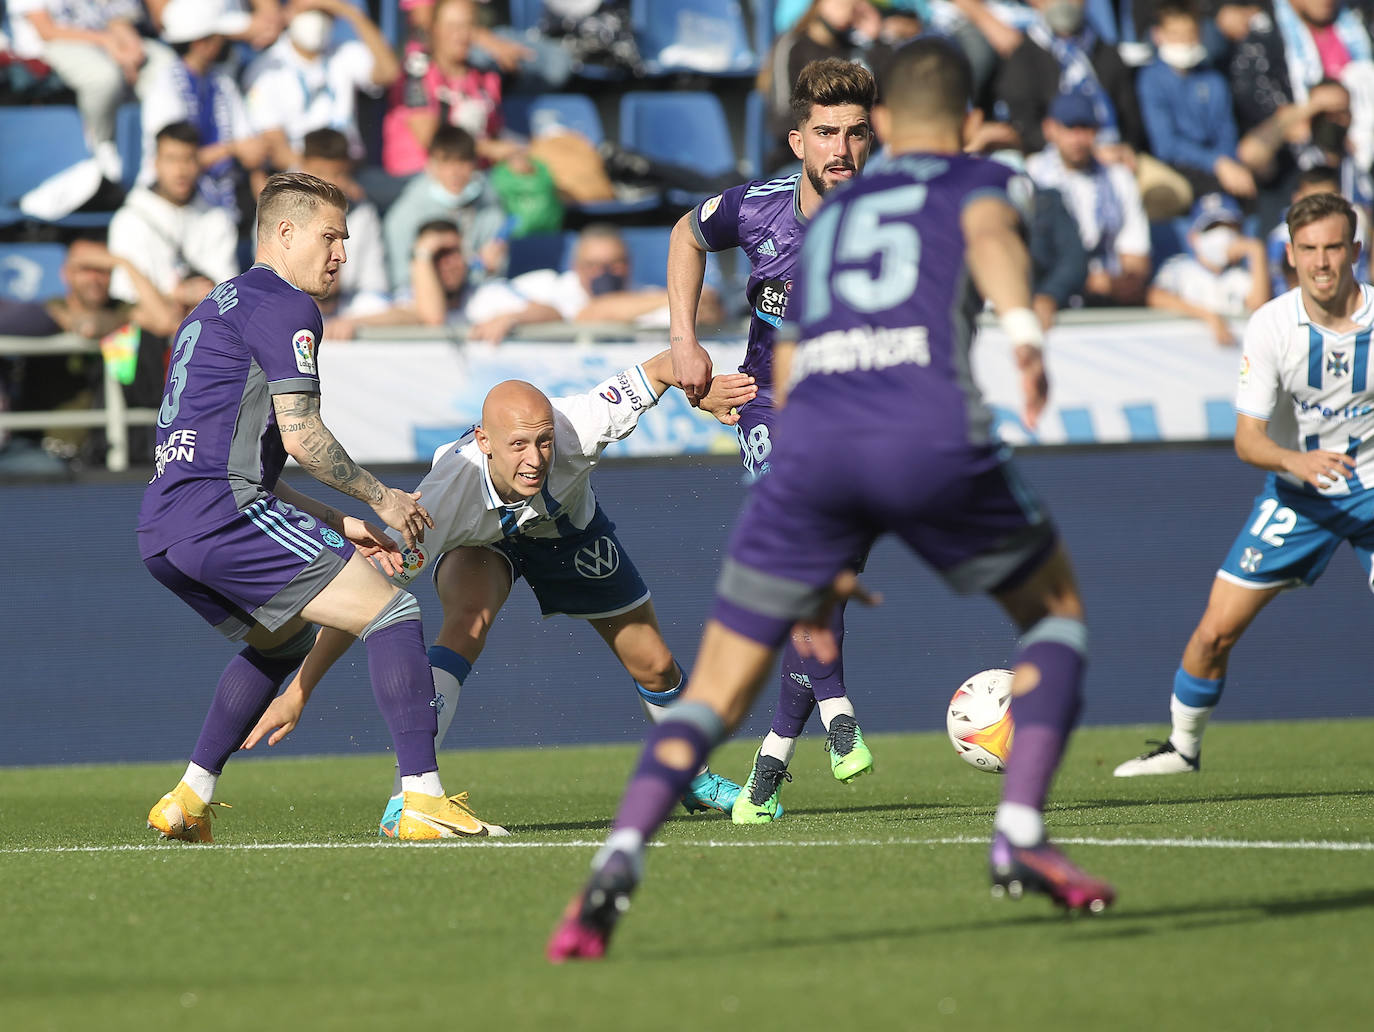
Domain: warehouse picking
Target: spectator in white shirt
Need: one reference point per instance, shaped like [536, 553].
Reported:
[303, 82]
[1226, 275]
[181, 244]
[363, 287]
[194, 90]
[95, 48]
[1103, 199]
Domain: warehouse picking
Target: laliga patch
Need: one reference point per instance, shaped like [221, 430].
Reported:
[771, 304]
[1244, 370]
[709, 206]
[303, 341]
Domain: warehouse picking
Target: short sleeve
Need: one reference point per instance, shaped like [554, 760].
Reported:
[284, 336]
[609, 411]
[356, 64]
[1170, 274]
[715, 221]
[263, 92]
[1134, 238]
[1257, 392]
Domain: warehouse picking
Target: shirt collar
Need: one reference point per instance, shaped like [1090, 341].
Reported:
[1364, 315]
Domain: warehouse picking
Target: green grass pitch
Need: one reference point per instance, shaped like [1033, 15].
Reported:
[1246, 898]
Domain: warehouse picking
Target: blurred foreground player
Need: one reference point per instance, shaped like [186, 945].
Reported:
[257, 560]
[765, 219]
[1304, 412]
[513, 498]
[884, 416]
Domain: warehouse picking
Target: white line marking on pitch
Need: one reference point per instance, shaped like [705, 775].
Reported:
[957, 840]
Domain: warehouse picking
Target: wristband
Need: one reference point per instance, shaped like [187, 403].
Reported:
[1023, 327]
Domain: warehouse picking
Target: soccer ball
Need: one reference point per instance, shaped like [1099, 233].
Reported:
[979, 720]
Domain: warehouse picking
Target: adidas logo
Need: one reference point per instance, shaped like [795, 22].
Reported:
[767, 249]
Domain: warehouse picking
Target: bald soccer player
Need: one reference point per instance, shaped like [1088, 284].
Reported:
[512, 498]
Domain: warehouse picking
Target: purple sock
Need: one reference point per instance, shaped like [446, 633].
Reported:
[1045, 716]
[655, 788]
[246, 688]
[805, 680]
[404, 689]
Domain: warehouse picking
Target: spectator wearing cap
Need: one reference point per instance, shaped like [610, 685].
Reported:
[1103, 199]
[304, 82]
[1224, 275]
[192, 89]
[1187, 109]
[1060, 53]
[95, 48]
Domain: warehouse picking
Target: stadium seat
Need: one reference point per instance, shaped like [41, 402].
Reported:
[570, 110]
[686, 129]
[537, 251]
[524, 14]
[705, 36]
[755, 133]
[129, 140]
[31, 272]
[763, 26]
[63, 144]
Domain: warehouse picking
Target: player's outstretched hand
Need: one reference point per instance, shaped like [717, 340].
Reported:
[813, 637]
[1035, 385]
[1322, 469]
[374, 543]
[691, 367]
[728, 392]
[402, 512]
[279, 720]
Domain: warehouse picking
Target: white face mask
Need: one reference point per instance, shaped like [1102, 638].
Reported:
[310, 30]
[1214, 246]
[1182, 56]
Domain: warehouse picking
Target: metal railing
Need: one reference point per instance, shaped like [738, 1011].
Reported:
[115, 416]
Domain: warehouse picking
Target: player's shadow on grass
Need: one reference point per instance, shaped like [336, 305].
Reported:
[1235, 797]
[1123, 921]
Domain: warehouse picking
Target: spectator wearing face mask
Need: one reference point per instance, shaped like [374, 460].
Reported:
[1186, 107]
[450, 187]
[303, 82]
[1224, 276]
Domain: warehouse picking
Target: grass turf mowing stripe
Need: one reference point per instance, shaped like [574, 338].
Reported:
[955, 840]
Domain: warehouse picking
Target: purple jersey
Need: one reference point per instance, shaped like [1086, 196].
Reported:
[883, 307]
[218, 446]
[764, 219]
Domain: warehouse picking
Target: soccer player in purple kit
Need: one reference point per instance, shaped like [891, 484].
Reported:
[884, 414]
[259, 561]
[766, 220]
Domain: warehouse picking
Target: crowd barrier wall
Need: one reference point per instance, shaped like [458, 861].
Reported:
[100, 663]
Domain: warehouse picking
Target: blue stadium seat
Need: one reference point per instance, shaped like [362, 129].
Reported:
[63, 144]
[755, 133]
[705, 36]
[129, 140]
[524, 14]
[343, 30]
[570, 110]
[31, 272]
[538, 251]
[763, 26]
[686, 129]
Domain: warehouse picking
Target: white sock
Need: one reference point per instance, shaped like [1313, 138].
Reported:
[1022, 825]
[778, 747]
[656, 714]
[832, 708]
[200, 781]
[627, 841]
[447, 687]
[426, 784]
[1189, 723]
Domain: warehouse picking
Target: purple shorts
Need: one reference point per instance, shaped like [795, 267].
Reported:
[829, 495]
[261, 568]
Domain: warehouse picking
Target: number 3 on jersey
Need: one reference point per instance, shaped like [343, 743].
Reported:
[1274, 523]
[176, 378]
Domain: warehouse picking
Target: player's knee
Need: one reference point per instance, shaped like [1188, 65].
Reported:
[1215, 639]
[468, 621]
[402, 607]
[657, 672]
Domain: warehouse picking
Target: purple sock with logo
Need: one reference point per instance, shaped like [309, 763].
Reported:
[246, 688]
[805, 680]
[1043, 718]
[404, 689]
[655, 787]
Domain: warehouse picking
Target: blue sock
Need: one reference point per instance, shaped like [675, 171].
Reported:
[1195, 691]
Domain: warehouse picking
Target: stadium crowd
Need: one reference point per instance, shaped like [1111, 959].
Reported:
[522, 162]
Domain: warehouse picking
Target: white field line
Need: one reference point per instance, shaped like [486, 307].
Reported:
[1304, 845]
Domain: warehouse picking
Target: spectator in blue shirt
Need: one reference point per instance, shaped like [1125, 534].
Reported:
[1186, 107]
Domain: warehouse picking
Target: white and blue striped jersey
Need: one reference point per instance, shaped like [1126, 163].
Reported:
[461, 498]
[1314, 385]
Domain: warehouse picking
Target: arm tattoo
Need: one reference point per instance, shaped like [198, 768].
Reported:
[319, 453]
